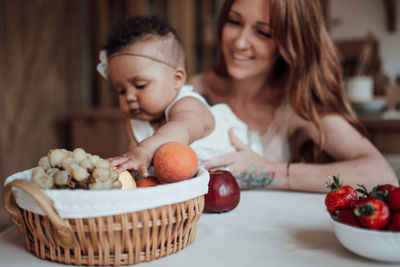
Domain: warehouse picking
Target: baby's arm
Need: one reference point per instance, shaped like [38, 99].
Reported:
[189, 120]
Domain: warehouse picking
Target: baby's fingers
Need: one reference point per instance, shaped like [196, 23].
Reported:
[143, 171]
[127, 165]
[117, 160]
[131, 165]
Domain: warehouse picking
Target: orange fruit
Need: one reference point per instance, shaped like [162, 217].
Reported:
[174, 162]
[147, 181]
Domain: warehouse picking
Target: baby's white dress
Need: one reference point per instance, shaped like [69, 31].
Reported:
[217, 142]
[273, 145]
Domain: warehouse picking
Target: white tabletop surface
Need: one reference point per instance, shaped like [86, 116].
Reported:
[268, 228]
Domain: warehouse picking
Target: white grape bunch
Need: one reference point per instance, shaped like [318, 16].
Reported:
[63, 169]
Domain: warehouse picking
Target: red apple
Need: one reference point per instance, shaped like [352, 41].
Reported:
[223, 192]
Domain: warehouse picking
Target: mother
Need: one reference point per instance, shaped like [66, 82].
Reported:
[278, 70]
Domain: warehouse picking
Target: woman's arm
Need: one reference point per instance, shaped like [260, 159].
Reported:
[357, 160]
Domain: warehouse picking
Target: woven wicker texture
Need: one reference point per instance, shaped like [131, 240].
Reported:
[122, 239]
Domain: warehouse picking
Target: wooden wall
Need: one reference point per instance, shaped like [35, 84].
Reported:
[50, 94]
[40, 79]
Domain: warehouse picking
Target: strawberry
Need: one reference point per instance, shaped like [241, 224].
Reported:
[347, 217]
[394, 224]
[372, 213]
[385, 187]
[394, 200]
[340, 197]
[379, 191]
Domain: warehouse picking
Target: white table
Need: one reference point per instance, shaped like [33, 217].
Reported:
[268, 228]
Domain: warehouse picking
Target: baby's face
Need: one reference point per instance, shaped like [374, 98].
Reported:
[145, 87]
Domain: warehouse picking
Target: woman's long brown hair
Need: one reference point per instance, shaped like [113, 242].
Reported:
[308, 68]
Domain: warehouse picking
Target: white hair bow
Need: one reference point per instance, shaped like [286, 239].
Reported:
[102, 66]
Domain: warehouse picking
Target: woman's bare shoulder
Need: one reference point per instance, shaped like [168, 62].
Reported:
[210, 85]
[328, 122]
[203, 81]
[196, 80]
[299, 124]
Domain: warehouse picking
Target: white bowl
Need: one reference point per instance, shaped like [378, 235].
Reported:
[372, 106]
[378, 245]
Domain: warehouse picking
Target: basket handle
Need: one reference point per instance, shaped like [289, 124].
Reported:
[64, 233]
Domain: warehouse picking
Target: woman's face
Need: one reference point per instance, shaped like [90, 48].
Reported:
[248, 48]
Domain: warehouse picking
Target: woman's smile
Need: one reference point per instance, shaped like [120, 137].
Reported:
[240, 58]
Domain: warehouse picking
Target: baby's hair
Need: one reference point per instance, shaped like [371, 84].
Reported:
[148, 28]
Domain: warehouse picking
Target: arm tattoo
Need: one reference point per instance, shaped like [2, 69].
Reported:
[256, 178]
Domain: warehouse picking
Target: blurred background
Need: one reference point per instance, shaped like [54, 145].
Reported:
[52, 97]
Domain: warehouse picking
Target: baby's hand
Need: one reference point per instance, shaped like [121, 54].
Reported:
[136, 159]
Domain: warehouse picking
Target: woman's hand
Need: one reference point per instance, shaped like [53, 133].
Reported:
[136, 159]
[249, 169]
[238, 161]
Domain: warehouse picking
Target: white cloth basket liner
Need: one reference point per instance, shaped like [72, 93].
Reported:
[79, 203]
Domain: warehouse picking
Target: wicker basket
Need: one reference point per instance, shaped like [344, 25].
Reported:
[122, 239]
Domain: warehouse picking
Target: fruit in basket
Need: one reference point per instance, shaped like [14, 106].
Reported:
[372, 213]
[126, 180]
[223, 192]
[347, 217]
[175, 162]
[148, 181]
[394, 200]
[340, 197]
[394, 224]
[63, 169]
[41, 178]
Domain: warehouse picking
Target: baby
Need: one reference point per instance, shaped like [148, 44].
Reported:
[144, 61]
